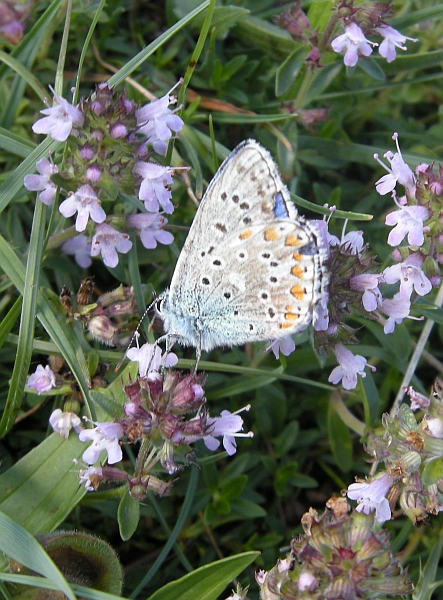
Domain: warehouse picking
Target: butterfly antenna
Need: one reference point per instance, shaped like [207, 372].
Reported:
[135, 334]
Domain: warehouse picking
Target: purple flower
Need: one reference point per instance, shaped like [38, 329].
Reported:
[80, 247]
[154, 188]
[408, 221]
[392, 39]
[86, 204]
[150, 359]
[151, 229]
[410, 275]
[62, 422]
[42, 380]
[397, 309]
[353, 241]
[107, 241]
[157, 122]
[60, 120]
[320, 316]
[372, 496]
[104, 436]
[285, 345]
[399, 171]
[349, 366]
[368, 284]
[228, 425]
[353, 41]
[42, 182]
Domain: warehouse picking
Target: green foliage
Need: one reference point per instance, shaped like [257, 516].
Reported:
[244, 77]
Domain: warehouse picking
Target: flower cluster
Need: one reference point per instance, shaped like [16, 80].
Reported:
[411, 451]
[340, 555]
[109, 144]
[109, 318]
[165, 413]
[357, 287]
[358, 20]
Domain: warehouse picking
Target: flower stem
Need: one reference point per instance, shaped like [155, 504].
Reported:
[345, 415]
[416, 355]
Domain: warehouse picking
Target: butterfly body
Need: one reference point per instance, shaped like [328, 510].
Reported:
[251, 268]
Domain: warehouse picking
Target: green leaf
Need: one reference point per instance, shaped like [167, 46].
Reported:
[371, 398]
[224, 18]
[61, 334]
[9, 321]
[426, 586]
[142, 56]
[18, 544]
[289, 69]
[372, 68]
[340, 439]
[233, 488]
[128, 515]
[220, 117]
[243, 385]
[433, 471]
[412, 62]
[15, 144]
[27, 321]
[264, 35]
[41, 489]
[247, 509]
[319, 13]
[435, 315]
[208, 582]
[282, 476]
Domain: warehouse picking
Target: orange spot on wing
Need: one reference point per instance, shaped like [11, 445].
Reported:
[291, 240]
[297, 256]
[297, 291]
[285, 325]
[288, 308]
[270, 235]
[297, 271]
[291, 316]
[245, 234]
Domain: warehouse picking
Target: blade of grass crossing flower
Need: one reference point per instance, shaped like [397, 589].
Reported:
[62, 335]
[17, 543]
[27, 321]
[197, 51]
[58, 85]
[194, 161]
[14, 182]
[81, 61]
[140, 58]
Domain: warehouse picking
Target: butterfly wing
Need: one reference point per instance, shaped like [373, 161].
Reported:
[246, 189]
[250, 268]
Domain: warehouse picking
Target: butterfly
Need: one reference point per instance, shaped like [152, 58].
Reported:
[251, 269]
